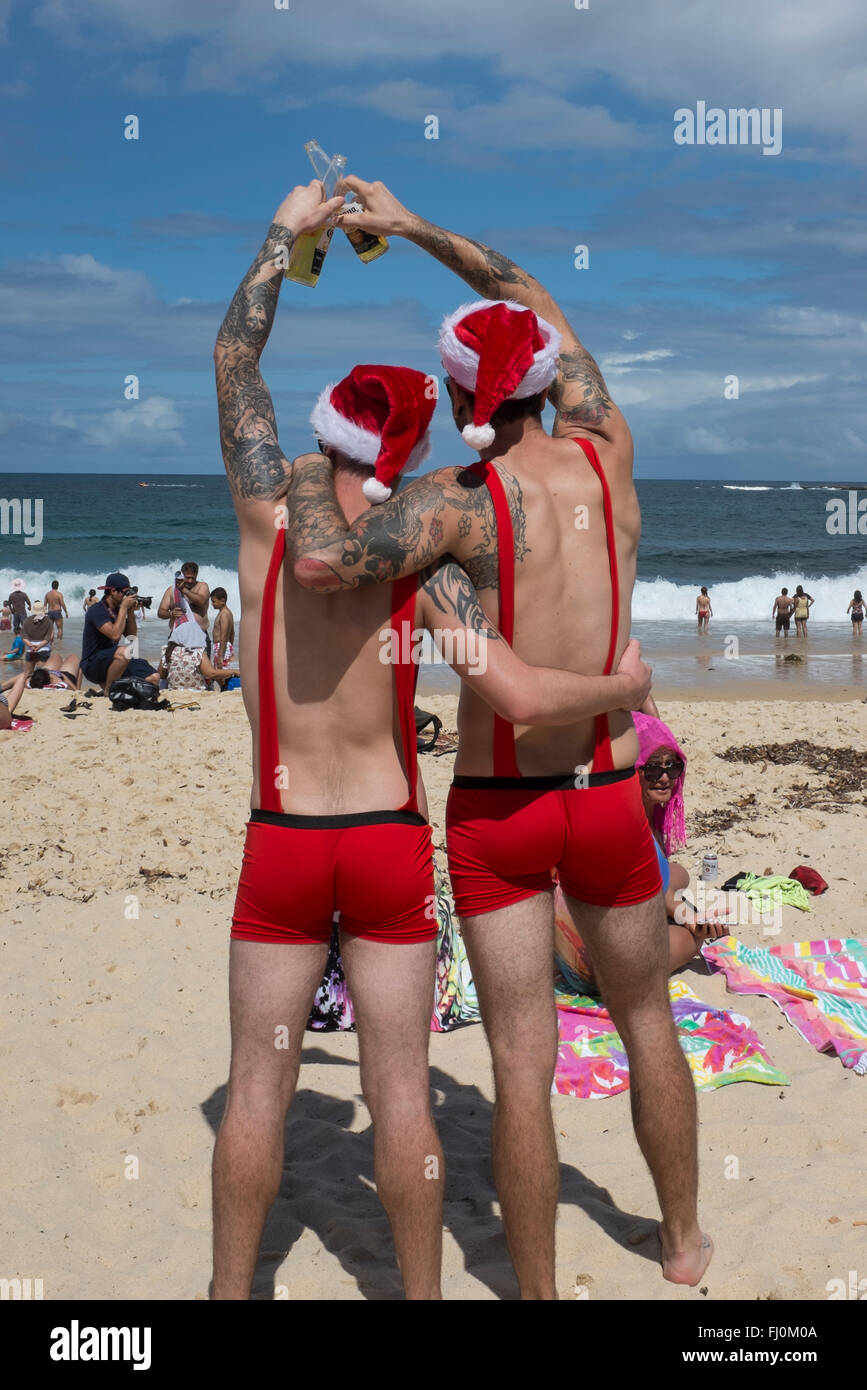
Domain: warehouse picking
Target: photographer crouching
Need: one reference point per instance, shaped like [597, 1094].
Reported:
[105, 623]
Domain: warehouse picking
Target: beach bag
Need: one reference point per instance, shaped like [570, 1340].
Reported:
[128, 692]
[422, 719]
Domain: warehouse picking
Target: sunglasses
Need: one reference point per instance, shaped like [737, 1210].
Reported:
[653, 771]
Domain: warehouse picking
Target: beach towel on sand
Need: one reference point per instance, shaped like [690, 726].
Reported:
[720, 1046]
[454, 994]
[821, 987]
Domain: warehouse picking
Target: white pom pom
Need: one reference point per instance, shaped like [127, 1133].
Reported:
[375, 491]
[478, 436]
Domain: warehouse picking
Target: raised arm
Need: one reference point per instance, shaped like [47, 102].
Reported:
[579, 392]
[256, 466]
[521, 693]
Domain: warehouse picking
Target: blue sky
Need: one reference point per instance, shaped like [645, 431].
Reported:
[555, 129]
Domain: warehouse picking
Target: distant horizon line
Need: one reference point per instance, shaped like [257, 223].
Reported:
[640, 477]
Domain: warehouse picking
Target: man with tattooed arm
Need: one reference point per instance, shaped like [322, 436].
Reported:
[547, 529]
[338, 819]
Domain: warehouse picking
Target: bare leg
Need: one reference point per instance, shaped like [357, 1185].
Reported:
[511, 954]
[13, 695]
[114, 673]
[271, 989]
[630, 950]
[392, 990]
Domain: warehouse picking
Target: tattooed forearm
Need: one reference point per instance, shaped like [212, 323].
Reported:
[254, 461]
[452, 593]
[486, 271]
[579, 392]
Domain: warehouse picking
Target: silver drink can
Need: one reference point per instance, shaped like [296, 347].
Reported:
[709, 867]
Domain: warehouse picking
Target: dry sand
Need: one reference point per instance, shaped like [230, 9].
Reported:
[115, 1041]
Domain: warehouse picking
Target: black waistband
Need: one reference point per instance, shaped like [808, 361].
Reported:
[554, 781]
[337, 822]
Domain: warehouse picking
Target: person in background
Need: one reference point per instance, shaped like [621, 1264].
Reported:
[9, 697]
[803, 604]
[703, 609]
[194, 590]
[19, 603]
[16, 651]
[782, 611]
[6, 618]
[103, 659]
[856, 612]
[223, 639]
[90, 600]
[55, 606]
[184, 662]
[55, 674]
[662, 770]
[37, 631]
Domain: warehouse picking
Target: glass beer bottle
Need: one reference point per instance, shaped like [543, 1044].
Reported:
[366, 245]
[309, 251]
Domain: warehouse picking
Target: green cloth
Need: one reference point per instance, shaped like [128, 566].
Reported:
[766, 890]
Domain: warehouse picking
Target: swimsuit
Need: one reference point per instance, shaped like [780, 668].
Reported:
[858, 613]
[374, 867]
[802, 610]
[506, 833]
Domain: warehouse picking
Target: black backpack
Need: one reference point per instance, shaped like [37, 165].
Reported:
[129, 692]
[422, 719]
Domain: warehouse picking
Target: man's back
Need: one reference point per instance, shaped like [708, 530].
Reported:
[337, 717]
[563, 590]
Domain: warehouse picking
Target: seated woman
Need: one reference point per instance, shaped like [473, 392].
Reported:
[184, 663]
[661, 770]
[16, 651]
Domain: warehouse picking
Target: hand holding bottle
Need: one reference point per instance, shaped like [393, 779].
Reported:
[383, 215]
[303, 210]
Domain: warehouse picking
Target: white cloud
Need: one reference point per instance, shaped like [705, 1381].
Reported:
[699, 440]
[151, 421]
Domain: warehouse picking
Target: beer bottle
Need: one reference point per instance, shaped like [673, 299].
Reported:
[366, 245]
[310, 250]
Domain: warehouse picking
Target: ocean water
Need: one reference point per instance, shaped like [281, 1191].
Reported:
[743, 541]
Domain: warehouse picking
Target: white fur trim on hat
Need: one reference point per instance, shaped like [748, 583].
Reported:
[478, 436]
[334, 428]
[375, 491]
[360, 445]
[462, 364]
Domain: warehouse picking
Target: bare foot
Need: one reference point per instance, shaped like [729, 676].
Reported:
[686, 1266]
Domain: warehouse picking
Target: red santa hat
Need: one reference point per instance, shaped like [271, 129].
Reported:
[501, 351]
[378, 416]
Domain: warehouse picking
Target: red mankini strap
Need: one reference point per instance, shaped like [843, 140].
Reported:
[403, 594]
[505, 759]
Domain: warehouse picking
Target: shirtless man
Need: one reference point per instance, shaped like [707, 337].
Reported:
[55, 606]
[703, 610]
[546, 497]
[223, 638]
[782, 611]
[334, 743]
[195, 591]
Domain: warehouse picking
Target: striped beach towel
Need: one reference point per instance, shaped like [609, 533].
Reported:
[720, 1046]
[820, 986]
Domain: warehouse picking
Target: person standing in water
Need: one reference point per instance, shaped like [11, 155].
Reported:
[703, 609]
[803, 604]
[782, 611]
[856, 612]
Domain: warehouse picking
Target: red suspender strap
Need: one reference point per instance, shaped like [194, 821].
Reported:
[602, 759]
[403, 594]
[269, 746]
[505, 761]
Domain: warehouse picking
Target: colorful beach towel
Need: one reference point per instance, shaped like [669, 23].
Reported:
[820, 986]
[454, 994]
[720, 1046]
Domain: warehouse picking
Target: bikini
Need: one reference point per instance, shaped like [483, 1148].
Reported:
[374, 867]
[507, 832]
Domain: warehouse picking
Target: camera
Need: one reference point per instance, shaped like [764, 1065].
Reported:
[144, 602]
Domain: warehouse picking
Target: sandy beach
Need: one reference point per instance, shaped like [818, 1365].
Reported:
[121, 850]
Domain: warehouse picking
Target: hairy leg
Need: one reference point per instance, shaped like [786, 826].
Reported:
[271, 989]
[392, 991]
[511, 953]
[630, 950]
